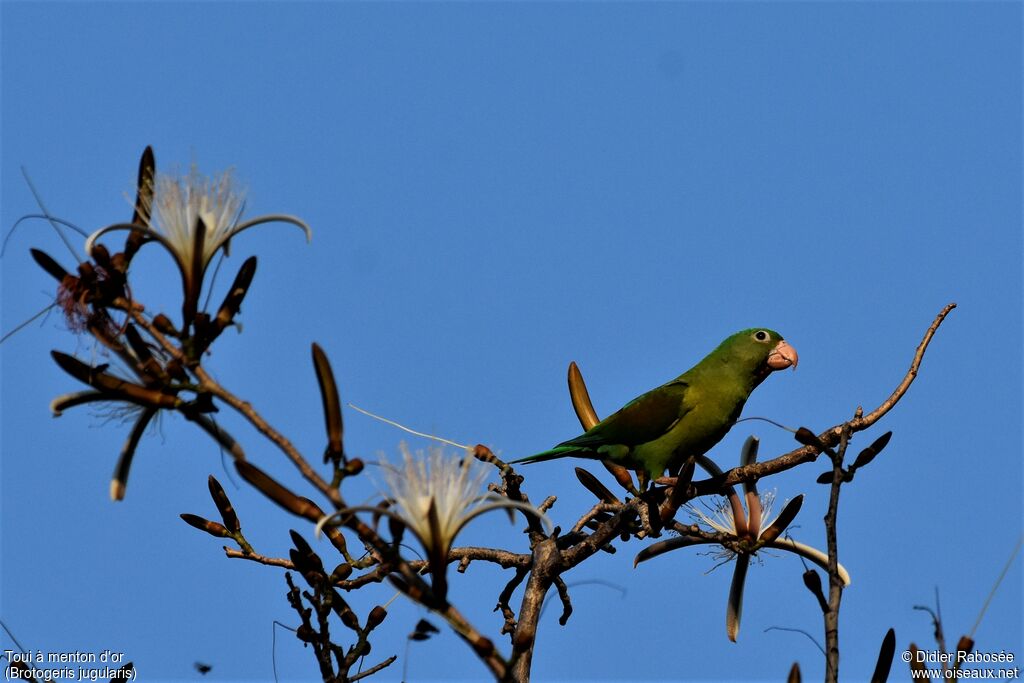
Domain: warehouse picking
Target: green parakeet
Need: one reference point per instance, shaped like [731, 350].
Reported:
[687, 416]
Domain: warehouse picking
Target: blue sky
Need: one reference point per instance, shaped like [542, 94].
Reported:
[495, 190]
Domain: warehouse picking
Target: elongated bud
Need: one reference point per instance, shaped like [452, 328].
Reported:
[784, 519]
[349, 618]
[794, 674]
[309, 565]
[332, 406]
[162, 323]
[119, 482]
[653, 515]
[337, 539]
[300, 542]
[813, 583]
[437, 554]
[233, 300]
[341, 572]
[809, 438]
[138, 345]
[748, 455]
[114, 387]
[397, 529]
[297, 505]
[193, 283]
[734, 608]
[376, 617]
[220, 499]
[592, 484]
[101, 255]
[143, 202]
[620, 473]
[869, 453]
[679, 491]
[311, 576]
[210, 527]
[581, 398]
[147, 364]
[885, 655]
[49, 265]
[662, 547]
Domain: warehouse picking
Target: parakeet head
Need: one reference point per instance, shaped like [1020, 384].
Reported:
[758, 350]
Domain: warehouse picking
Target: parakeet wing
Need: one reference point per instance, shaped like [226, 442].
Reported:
[643, 419]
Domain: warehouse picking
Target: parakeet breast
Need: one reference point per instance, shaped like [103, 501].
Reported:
[708, 419]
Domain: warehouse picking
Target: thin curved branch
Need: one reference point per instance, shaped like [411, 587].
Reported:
[506, 596]
[245, 408]
[830, 437]
[604, 534]
[502, 558]
[594, 512]
[374, 669]
[563, 595]
[237, 554]
[900, 390]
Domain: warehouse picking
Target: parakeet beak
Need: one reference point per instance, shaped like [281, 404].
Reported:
[782, 356]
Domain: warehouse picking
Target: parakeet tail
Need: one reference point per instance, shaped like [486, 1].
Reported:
[558, 452]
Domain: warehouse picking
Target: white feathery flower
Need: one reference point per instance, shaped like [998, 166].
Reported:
[180, 201]
[187, 214]
[720, 516]
[747, 532]
[435, 495]
[454, 485]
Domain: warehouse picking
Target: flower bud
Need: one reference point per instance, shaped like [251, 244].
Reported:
[376, 617]
[212, 528]
[341, 572]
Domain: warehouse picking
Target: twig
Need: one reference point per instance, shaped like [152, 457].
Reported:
[598, 509]
[908, 379]
[829, 437]
[505, 596]
[374, 669]
[210, 385]
[835, 583]
[563, 594]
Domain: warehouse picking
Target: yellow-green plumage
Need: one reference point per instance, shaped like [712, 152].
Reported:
[686, 416]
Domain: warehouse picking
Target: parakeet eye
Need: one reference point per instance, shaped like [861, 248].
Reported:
[761, 336]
